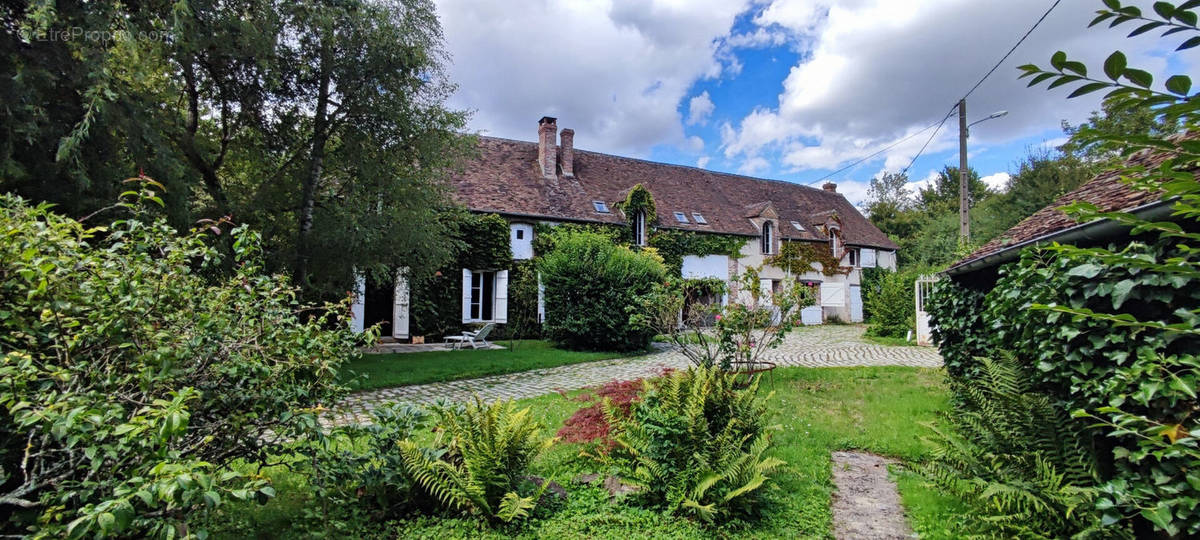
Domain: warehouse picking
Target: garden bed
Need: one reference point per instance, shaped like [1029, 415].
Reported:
[819, 410]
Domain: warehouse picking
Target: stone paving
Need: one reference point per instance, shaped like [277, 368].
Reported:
[818, 346]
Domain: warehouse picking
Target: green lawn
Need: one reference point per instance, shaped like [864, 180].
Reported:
[877, 409]
[388, 370]
[889, 341]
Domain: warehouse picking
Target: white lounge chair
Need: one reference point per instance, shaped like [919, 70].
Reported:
[477, 339]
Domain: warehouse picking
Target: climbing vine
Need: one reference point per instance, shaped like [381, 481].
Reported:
[799, 257]
[673, 245]
[639, 200]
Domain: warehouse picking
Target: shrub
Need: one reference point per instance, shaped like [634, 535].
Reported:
[590, 289]
[735, 335]
[130, 381]
[483, 452]
[1021, 462]
[590, 423]
[888, 302]
[357, 471]
[695, 444]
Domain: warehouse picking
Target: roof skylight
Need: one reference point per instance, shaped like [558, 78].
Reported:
[680, 217]
[797, 225]
[600, 206]
[699, 218]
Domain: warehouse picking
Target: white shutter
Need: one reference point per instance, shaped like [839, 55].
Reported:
[541, 316]
[400, 309]
[833, 294]
[764, 289]
[358, 307]
[868, 258]
[466, 296]
[500, 314]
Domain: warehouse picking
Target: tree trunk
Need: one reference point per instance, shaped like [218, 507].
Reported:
[315, 165]
[212, 183]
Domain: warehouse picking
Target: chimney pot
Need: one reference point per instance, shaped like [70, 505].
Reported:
[830, 187]
[547, 151]
[567, 152]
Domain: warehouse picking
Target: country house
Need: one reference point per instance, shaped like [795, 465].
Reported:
[535, 185]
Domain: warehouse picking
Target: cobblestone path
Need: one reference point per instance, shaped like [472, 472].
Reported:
[818, 346]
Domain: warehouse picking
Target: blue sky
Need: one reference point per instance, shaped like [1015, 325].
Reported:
[784, 89]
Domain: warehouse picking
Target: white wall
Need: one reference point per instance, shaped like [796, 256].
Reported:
[708, 266]
[522, 248]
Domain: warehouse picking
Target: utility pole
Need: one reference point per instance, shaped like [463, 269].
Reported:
[964, 223]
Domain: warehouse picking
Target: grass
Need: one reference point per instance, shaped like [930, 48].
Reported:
[889, 341]
[373, 371]
[877, 409]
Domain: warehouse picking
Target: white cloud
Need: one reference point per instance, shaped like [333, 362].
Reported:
[694, 144]
[997, 181]
[759, 38]
[616, 71]
[703, 161]
[699, 109]
[880, 70]
[754, 165]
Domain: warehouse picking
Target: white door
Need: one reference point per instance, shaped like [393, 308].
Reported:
[400, 309]
[856, 314]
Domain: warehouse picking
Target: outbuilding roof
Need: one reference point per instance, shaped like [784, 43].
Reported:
[1107, 191]
[506, 177]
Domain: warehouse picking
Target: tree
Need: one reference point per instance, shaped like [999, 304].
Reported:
[943, 193]
[889, 206]
[1114, 119]
[332, 141]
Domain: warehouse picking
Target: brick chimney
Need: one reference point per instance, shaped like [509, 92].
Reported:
[830, 187]
[547, 152]
[567, 154]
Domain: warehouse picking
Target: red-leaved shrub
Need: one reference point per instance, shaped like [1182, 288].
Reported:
[588, 423]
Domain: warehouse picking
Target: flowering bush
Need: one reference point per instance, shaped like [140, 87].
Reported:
[740, 332]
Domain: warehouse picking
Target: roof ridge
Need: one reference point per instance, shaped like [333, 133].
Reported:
[660, 163]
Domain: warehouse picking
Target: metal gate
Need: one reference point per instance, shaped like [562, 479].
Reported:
[923, 288]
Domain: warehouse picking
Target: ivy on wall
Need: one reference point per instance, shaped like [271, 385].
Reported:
[673, 245]
[481, 242]
[798, 257]
[639, 200]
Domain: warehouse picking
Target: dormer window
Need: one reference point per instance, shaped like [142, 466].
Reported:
[600, 206]
[680, 217]
[768, 238]
[639, 228]
[699, 218]
[798, 226]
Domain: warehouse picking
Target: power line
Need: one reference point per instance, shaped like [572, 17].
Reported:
[930, 139]
[985, 77]
[882, 150]
[1013, 49]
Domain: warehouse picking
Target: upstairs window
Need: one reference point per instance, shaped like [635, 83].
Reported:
[699, 218]
[680, 217]
[854, 256]
[639, 229]
[768, 238]
[600, 206]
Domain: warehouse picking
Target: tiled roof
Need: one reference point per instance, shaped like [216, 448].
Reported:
[505, 178]
[1106, 191]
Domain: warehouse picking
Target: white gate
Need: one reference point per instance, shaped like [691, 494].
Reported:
[922, 289]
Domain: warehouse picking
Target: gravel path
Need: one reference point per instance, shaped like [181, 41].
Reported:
[866, 505]
[819, 346]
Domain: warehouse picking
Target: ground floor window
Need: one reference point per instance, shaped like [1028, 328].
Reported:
[485, 296]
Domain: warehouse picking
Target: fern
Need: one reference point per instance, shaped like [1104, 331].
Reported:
[488, 448]
[1017, 458]
[695, 444]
